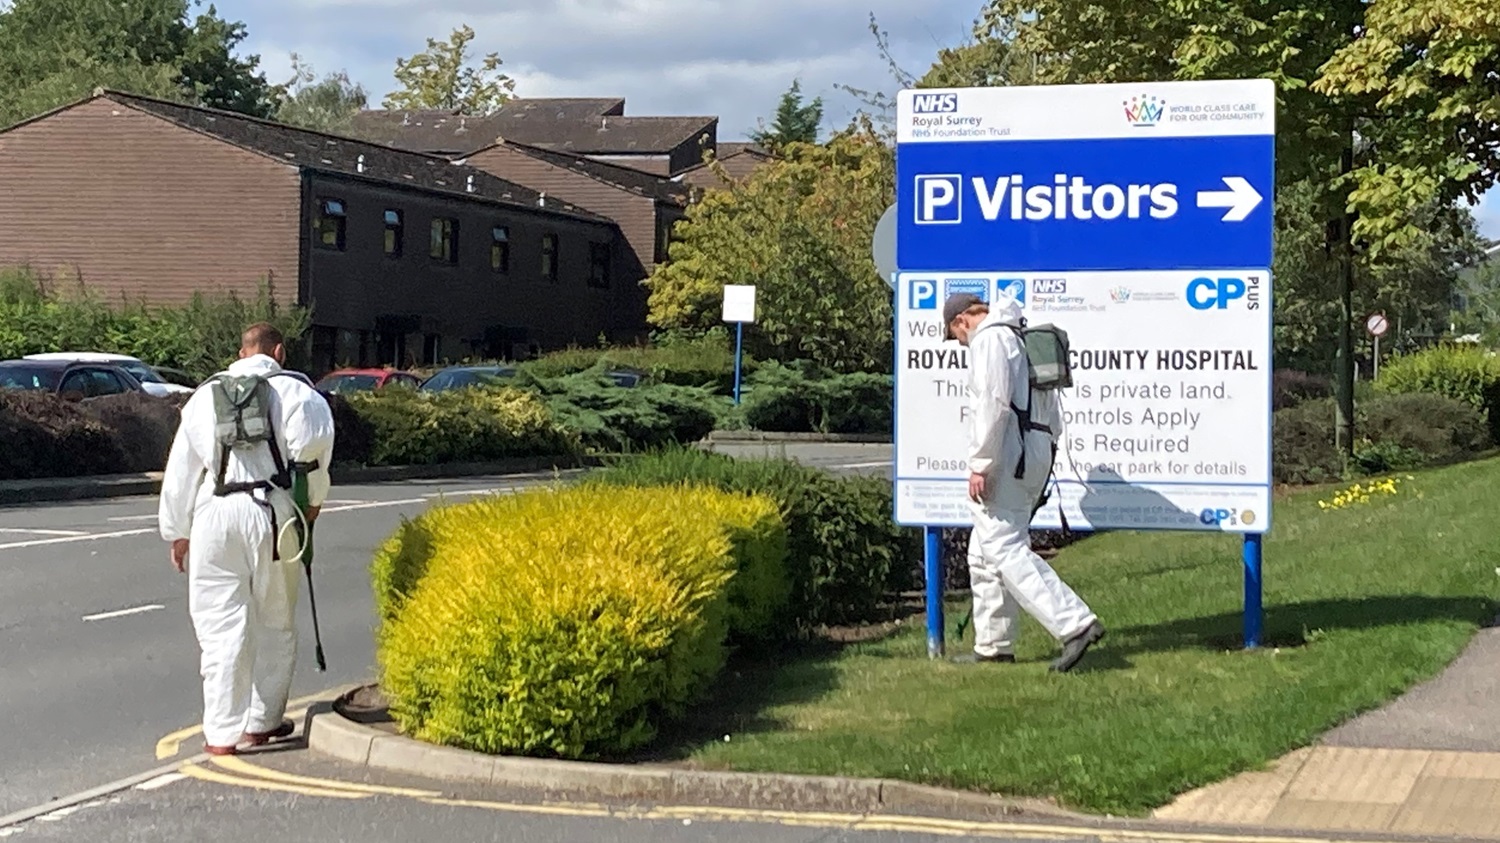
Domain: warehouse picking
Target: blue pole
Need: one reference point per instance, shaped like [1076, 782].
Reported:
[1254, 614]
[739, 347]
[934, 592]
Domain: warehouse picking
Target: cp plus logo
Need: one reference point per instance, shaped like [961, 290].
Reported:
[1216, 293]
[940, 200]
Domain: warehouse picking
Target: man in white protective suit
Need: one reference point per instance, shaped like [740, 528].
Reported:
[229, 533]
[1005, 575]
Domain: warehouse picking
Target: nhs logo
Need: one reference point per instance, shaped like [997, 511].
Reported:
[940, 200]
[934, 103]
[922, 295]
[1050, 286]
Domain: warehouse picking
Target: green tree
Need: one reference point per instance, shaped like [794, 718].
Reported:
[56, 51]
[799, 230]
[1359, 83]
[441, 78]
[794, 122]
[325, 105]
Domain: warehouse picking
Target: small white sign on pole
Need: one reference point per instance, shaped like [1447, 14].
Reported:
[739, 302]
[1377, 325]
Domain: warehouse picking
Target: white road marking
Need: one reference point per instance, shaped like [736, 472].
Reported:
[83, 538]
[42, 532]
[472, 492]
[120, 613]
[151, 517]
[161, 781]
[374, 505]
[862, 464]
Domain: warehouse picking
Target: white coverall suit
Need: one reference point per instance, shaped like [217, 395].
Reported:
[243, 603]
[1005, 575]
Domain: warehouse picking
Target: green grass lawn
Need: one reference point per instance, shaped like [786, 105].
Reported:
[1361, 603]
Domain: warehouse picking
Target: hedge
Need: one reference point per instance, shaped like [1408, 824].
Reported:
[846, 553]
[570, 623]
[421, 428]
[801, 399]
[704, 362]
[1396, 432]
[612, 419]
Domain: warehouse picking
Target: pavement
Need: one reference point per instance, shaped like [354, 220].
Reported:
[102, 695]
[1428, 764]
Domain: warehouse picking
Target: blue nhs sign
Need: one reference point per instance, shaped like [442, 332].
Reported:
[1032, 180]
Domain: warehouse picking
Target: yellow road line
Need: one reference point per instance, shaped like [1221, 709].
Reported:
[237, 764]
[171, 744]
[255, 776]
[205, 774]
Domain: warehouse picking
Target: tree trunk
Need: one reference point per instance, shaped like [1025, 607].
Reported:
[1344, 363]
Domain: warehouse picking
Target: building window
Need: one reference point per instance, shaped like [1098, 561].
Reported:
[599, 264]
[500, 249]
[393, 232]
[328, 228]
[549, 257]
[445, 240]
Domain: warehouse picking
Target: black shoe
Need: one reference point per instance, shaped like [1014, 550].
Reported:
[975, 658]
[1075, 647]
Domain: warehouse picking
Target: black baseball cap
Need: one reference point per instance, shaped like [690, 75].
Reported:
[956, 304]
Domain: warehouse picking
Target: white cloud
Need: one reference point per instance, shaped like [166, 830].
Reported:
[714, 57]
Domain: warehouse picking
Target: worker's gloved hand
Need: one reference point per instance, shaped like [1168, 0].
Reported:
[179, 555]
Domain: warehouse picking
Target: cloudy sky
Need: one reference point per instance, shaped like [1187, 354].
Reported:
[729, 58]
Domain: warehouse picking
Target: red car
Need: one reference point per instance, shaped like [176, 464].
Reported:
[364, 380]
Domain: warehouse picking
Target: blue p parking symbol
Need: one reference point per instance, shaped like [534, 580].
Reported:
[922, 295]
[940, 200]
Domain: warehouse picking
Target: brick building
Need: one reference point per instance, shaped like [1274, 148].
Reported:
[404, 257]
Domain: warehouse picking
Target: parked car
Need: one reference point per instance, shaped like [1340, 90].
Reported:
[176, 376]
[362, 380]
[70, 379]
[625, 377]
[458, 377]
[150, 379]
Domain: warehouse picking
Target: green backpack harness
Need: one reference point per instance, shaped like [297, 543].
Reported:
[242, 420]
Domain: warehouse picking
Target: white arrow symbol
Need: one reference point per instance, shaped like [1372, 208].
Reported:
[1240, 199]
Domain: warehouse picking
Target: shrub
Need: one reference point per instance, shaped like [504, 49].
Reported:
[141, 426]
[844, 548]
[419, 428]
[45, 436]
[354, 435]
[706, 362]
[616, 419]
[1416, 430]
[1303, 450]
[802, 399]
[1290, 387]
[1397, 432]
[39, 314]
[1464, 373]
[574, 622]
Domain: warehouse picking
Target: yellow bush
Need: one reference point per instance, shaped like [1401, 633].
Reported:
[568, 622]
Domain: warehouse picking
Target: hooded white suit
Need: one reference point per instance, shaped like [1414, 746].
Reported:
[243, 603]
[1006, 576]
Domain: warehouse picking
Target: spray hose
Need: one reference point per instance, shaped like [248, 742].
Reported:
[301, 498]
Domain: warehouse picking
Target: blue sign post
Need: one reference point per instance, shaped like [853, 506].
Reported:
[1138, 218]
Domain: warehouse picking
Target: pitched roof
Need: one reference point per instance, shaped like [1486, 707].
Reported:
[636, 181]
[724, 150]
[446, 131]
[585, 126]
[334, 153]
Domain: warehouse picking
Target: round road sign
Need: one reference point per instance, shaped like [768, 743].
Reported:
[1377, 325]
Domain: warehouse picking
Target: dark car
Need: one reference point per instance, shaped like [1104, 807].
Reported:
[68, 379]
[459, 377]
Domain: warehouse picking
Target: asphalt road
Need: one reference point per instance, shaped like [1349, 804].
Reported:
[97, 656]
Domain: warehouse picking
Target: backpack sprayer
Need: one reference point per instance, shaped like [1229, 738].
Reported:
[242, 417]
